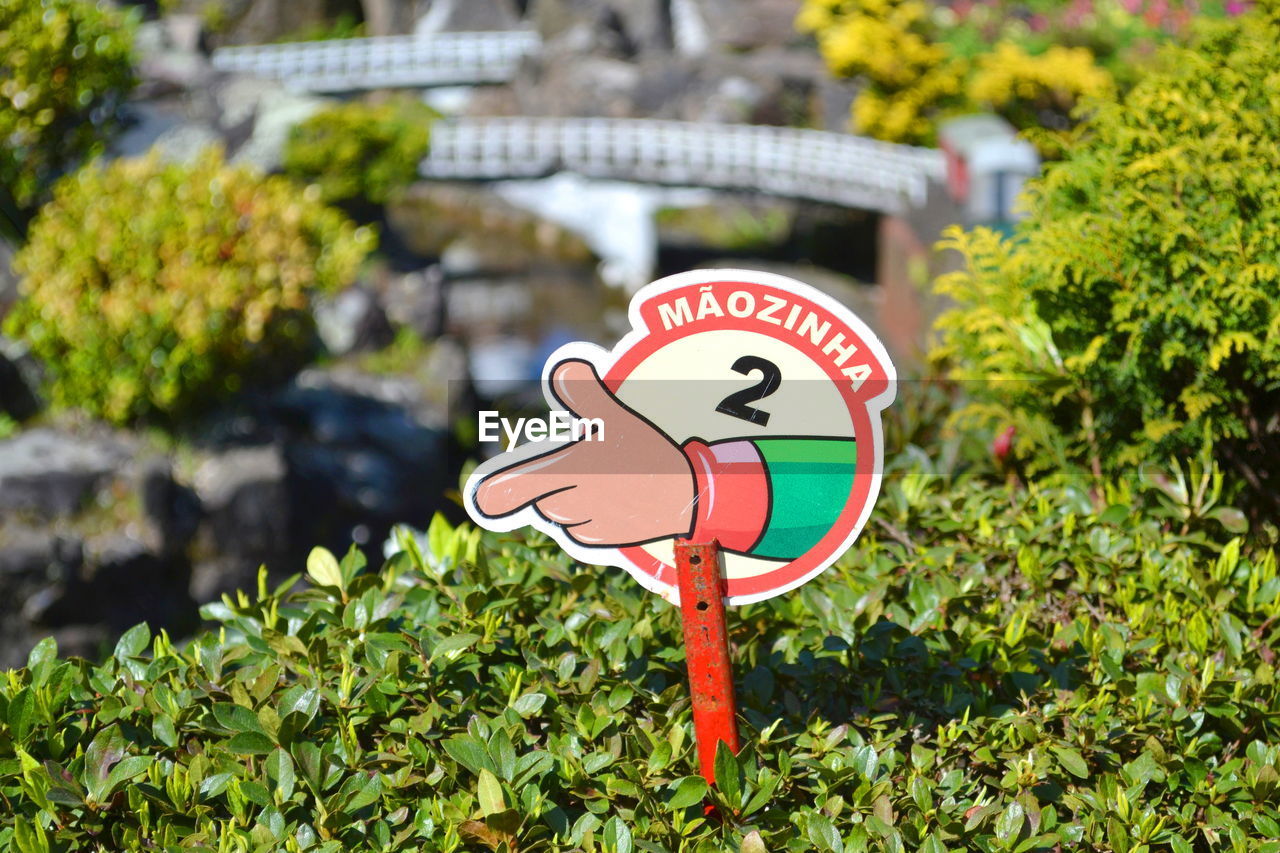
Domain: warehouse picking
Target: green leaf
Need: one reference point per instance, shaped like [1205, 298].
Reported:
[323, 569]
[455, 643]
[933, 845]
[823, 834]
[214, 786]
[470, 753]
[301, 700]
[22, 714]
[133, 642]
[280, 768]
[127, 769]
[489, 790]
[29, 837]
[251, 743]
[311, 762]
[41, 659]
[1072, 761]
[617, 836]
[163, 730]
[753, 843]
[237, 718]
[1009, 824]
[529, 704]
[728, 775]
[368, 794]
[104, 752]
[866, 762]
[688, 791]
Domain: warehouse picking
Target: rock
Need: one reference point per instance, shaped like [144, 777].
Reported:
[32, 564]
[576, 27]
[431, 216]
[415, 300]
[503, 365]
[173, 511]
[581, 84]
[120, 584]
[149, 39]
[352, 321]
[19, 377]
[468, 16]
[25, 553]
[8, 278]
[246, 503]
[169, 58]
[647, 24]
[147, 121]
[183, 32]
[92, 642]
[183, 143]
[172, 71]
[263, 21]
[277, 115]
[430, 392]
[49, 473]
[740, 25]
[213, 578]
[358, 464]
[488, 303]
[130, 584]
[273, 111]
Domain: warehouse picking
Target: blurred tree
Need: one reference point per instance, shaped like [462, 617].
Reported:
[1136, 308]
[65, 70]
[361, 150]
[152, 290]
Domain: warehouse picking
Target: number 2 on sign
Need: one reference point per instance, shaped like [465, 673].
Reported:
[735, 405]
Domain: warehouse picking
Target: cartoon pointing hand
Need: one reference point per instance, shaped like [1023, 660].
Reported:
[772, 498]
[633, 485]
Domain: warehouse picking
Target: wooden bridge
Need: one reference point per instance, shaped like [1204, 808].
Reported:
[834, 168]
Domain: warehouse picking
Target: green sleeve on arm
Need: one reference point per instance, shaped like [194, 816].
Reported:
[809, 484]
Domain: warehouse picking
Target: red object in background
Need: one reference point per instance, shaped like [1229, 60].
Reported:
[957, 173]
[706, 641]
[1004, 441]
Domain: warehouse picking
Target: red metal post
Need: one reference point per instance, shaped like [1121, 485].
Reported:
[706, 643]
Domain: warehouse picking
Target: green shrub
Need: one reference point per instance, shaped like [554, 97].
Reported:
[152, 290]
[989, 669]
[1134, 315]
[361, 150]
[65, 69]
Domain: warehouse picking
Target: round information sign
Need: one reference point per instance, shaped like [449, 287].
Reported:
[742, 407]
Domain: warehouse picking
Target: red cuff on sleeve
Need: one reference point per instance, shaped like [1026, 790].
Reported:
[732, 496]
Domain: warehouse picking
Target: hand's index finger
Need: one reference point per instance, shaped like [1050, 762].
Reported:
[511, 489]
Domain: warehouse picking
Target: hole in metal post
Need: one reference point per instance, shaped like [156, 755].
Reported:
[702, 605]
[695, 559]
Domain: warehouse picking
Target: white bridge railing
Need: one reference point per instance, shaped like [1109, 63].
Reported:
[342, 65]
[836, 168]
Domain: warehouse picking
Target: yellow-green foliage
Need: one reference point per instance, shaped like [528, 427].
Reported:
[1038, 90]
[912, 76]
[889, 44]
[1139, 302]
[908, 115]
[153, 289]
[65, 68]
[361, 150]
[885, 40]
